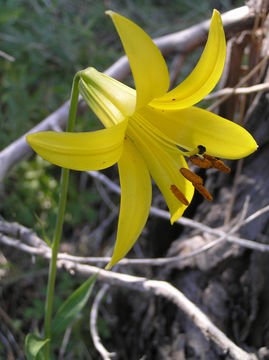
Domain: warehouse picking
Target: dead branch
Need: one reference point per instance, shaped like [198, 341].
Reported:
[6, 56]
[192, 223]
[93, 325]
[244, 79]
[157, 288]
[238, 91]
[11, 235]
[154, 287]
[182, 42]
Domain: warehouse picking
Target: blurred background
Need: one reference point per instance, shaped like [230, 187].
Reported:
[45, 43]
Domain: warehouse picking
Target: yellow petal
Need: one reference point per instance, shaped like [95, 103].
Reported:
[111, 100]
[147, 63]
[164, 165]
[205, 75]
[191, 127]
[80, 151]
[135, 200]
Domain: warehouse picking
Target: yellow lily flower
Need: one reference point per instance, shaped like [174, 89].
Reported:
[150, 130]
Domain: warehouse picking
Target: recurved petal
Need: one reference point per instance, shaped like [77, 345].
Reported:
[147, 63]
[191, 127]
[205, 75]
[135, 200]
[164, 164]
[80, 151]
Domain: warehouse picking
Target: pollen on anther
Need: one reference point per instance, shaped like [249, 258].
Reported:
[204, 192]
[179, 195]
[218, 164]
[192, 177]
[200, 162]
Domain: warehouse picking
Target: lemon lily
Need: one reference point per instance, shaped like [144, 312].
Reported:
[148, 131]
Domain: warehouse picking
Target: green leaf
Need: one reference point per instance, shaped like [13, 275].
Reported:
[72, 306]
[33, 344]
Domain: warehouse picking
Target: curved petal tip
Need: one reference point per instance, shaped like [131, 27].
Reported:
[148, 66]
[109, 13]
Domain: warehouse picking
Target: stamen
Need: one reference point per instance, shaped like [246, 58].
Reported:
[203, 191]
[200, 162]
[197, 182]
[218, 164]
[209, 157]
[179, 195]
[192, 177]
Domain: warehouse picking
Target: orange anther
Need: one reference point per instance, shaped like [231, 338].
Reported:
[203, 191]
[200, 162]
[192, 177]
[218, 164]
[179, 195]
[209, 157]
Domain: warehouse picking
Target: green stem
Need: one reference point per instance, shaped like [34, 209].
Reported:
[60, 219]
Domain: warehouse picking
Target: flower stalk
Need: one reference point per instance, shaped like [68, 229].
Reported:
[59, 222]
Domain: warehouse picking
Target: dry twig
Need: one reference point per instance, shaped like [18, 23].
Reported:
[243, 81]
[152, 287]
[159, 288]
[6, 56]
[36, 246]
[93, 325]
[238, 91]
